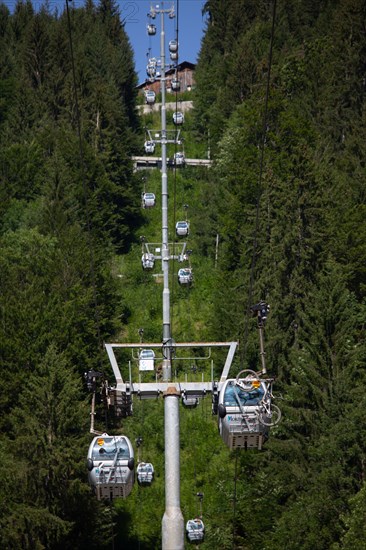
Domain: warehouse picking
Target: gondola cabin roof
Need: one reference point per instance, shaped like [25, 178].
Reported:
[147, 354]
[246, 396]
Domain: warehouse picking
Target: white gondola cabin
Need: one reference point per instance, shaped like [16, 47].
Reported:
[149, 147]
[246, 412]
[145, 473]
[146, 360]
[148, 261]
[195, 530]
[151, 29]
[185, 276]
[178, 118]
[173, 56]
[182, 229]
[148, 200]
[175, 85]
[190, 401]
[173, 46]
[151, 67]
[110, 465]
[151, 71]
[150, 97]
[179, 159]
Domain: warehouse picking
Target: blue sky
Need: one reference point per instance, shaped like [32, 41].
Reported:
[134, 14]
[191, 25]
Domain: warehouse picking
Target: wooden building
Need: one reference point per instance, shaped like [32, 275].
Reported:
[185, 74]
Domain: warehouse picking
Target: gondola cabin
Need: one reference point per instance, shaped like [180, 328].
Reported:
[150, 97]
[151, 29]
[195, 530]
[185, 276]
[149, 147]
[182, 228]
[146, 360]
[175, 85]
[151, 70]
[153, 61]
[111, 465]
[173, 46]
[245, 411]
[173, 56]
[148, 261]
[189, 401]
[151, 67]
[179, 159]
[148, 200]
[145, 473]
[178, 118]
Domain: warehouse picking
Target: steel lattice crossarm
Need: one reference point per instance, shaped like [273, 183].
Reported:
[142, 162]
[177, 251]
[168, 136]
[154, 389]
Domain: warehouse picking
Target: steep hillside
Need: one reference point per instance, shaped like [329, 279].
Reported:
[303, 255]
[285, 202]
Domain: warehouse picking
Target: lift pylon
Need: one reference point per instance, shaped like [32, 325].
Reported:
[166, 385]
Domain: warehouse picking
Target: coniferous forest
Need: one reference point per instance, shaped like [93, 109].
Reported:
[284, 200]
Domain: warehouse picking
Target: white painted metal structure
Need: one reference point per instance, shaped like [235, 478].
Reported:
[172, 523]
[141, 163]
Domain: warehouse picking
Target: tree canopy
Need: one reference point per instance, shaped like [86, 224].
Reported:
[280, 216]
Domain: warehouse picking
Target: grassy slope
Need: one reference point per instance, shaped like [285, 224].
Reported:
[204, 460]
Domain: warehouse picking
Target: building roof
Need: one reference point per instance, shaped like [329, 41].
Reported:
[180, 67]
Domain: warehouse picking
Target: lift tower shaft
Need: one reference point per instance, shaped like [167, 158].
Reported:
[172, 523]
[164, 194]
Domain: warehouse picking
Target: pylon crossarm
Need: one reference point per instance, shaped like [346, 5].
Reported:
[157, 386]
